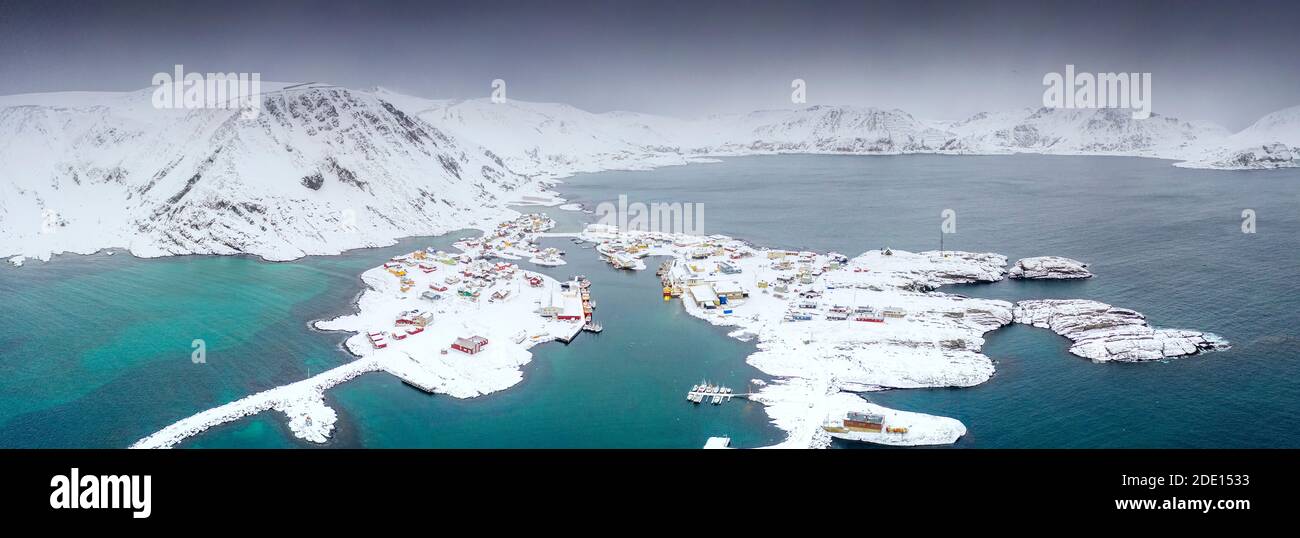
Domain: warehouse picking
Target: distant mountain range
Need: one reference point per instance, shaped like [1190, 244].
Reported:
[323, 169]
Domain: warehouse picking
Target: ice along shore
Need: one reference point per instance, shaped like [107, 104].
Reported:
[829, 328]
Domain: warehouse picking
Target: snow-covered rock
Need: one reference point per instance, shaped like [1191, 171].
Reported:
[1270, 142]
[322, 169]
[1104, 131]
[1104, 333]
[815, 129]
[551, 140]
[802, 406]
[1049, 267]
[1258, 157]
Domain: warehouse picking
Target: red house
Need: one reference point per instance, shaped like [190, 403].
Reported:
[470, 345]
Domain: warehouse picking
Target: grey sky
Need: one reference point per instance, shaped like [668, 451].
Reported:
[1228, 62]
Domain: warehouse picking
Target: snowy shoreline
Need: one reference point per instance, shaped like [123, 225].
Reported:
[499, 304]
[829, 327]
[354, 168]
[821, 362]
[1104, 333]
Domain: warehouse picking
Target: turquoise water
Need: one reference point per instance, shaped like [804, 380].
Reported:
[1162, 240]
[95, 350]
[621, 388]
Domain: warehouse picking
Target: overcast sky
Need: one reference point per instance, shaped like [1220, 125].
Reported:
[1228, 62]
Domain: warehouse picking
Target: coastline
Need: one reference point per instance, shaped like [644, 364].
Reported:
[415, 359]
[819, 369]
[805, 309]
[545, 196]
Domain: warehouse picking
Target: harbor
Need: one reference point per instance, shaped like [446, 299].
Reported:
[715, 394]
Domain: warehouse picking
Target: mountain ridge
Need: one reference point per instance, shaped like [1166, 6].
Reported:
[323, 168]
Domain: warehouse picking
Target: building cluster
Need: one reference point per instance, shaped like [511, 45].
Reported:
[482, 270]
[708, 275]
[572, 302]
[796, 274]
[515, 239]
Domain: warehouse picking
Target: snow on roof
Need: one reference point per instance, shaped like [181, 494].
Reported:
[725, 287]
[704, 293]
[570, 304]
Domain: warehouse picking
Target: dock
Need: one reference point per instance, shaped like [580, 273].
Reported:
[427, 389]
[665, 267]
[714, 394]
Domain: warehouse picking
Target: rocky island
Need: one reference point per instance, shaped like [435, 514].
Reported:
[1105, 333]
[1049, 268]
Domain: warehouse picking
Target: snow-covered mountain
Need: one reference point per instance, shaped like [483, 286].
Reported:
[323, 169]
[551, 140]
[1085, 132]
[1271, 142]
[320, 170]
[815, 129]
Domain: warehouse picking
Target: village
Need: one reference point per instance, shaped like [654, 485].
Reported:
[718, 274]
[461, 323]
[829, 325]
[447, 311]
[829, 328]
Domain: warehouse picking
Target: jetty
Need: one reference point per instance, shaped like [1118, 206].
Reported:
[715, 394]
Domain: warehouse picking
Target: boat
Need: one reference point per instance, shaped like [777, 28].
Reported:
[592, 326]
